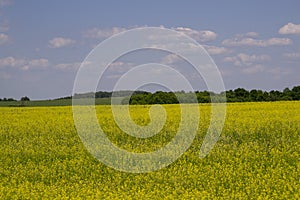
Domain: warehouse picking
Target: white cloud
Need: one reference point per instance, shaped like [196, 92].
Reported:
[254, 42]
[3, 38]
[35, 64]
[278, 41]
[120, 67]
[250, 64]
[71, 66]
[11, 62]
[254, 69]
[186, 47]
[290, 28]
[213, 50]
[68, 66]
[59, 42]
[24, 64]
[170, 59]
[247, 35]
[253, 58]
[248, 39]
[39, 62]
[115, 67]
[252, 34]
[292, 55]
[247, 60]
[97, 33]
[201, 36]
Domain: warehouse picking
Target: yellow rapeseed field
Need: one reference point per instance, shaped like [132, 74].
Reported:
[256, 157]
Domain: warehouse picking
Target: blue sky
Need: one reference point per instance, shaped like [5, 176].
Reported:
[255, 44]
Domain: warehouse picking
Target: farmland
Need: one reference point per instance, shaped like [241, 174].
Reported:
[257, 156]
[43, 103]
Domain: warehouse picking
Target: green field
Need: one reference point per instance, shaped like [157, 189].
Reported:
[56, 102]
[256, 157]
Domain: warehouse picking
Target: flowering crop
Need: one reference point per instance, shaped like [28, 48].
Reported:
[256, 157]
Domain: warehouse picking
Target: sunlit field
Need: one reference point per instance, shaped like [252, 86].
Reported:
[256, 157]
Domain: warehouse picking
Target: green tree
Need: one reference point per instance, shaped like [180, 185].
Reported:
[287, 94]
[296, 93]
[241, 94]
[24, 99]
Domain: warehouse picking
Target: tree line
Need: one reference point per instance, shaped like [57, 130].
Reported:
[25, 98]
[7, 99]
[242, 95]
[160, 97]
[104, 94]
[237, 95]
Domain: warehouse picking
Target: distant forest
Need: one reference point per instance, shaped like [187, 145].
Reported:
[160, 97]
